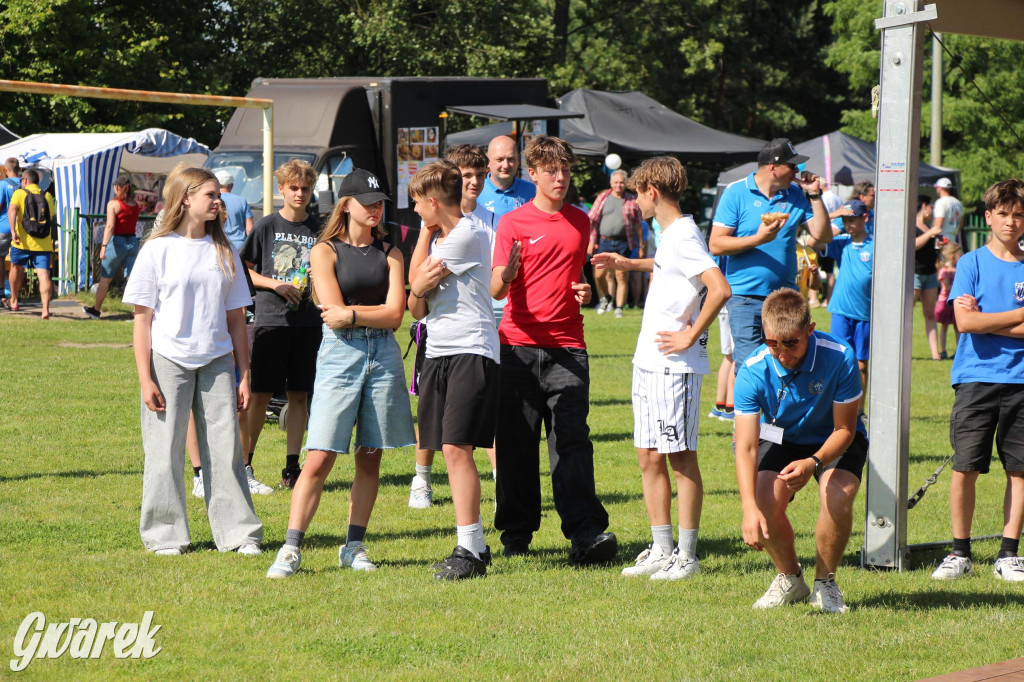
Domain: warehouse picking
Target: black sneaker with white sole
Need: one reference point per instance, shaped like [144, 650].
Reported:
[600, 549]
[91, 312]
[461, 565]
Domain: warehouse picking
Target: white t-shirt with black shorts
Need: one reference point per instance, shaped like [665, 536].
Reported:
[666, 388]
[459, 381]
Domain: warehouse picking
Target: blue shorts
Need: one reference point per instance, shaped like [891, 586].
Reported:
[360, 385]
[857, 333]
[922, 282]
[119, 256]
[37, 260]
[619, 246]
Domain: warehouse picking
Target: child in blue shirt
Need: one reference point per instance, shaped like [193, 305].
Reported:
[988, 377]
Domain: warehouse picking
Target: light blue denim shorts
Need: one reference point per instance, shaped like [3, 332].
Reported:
[360, 385]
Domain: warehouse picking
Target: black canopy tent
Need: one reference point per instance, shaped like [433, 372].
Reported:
[512, 117]
[6, 135]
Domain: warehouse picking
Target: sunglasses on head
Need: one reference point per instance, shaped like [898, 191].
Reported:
[775, 343]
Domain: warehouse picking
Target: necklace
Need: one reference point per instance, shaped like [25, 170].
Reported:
[364, 250]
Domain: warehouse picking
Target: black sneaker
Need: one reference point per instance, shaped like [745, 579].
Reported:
[485, 556]
[598, 550]
[516, 548]
[91, 312]
[289, 475]
[461, 565]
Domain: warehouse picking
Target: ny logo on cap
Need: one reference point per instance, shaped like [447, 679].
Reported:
[372, 182]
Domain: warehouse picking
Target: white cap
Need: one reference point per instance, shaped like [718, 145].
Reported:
[944, 183]
[224, 177]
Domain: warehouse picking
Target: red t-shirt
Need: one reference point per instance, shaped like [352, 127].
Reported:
[126, 219]
[542, 310]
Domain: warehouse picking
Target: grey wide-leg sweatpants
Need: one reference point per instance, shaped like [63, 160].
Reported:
[210, 391]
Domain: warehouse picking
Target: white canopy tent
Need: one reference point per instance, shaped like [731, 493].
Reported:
[84, 167]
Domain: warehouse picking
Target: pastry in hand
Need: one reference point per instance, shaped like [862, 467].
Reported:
[772, 217]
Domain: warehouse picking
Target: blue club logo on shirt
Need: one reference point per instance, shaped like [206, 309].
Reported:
[816, 387]
[1018, 291]
[865, 256]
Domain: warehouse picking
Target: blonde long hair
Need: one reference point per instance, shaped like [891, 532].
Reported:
[186, 183]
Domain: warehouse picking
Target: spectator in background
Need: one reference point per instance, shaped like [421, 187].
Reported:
[28, 251]
[504, 190]
[238, 216]
[615, 227]
[9, 182]
[949, 212]
[926, 279]
[119, 246]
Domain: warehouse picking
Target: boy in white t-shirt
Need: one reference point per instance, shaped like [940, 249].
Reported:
[687, 291]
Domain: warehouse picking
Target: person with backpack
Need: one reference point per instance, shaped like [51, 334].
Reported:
[32, 218]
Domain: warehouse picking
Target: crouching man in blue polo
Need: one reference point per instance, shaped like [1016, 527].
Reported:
[796, 417]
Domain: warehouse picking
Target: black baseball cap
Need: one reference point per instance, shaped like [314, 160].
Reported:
[363, 186]
[779, 151]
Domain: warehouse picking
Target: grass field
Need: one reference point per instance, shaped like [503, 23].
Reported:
[70, 491]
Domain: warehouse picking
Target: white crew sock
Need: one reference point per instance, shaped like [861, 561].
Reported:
[423, 473]
[469, 537]
[663, 537]
[688, 542]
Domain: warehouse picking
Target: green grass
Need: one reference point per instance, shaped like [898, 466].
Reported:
[70, 490]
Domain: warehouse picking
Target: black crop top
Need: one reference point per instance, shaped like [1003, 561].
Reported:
[362, 271]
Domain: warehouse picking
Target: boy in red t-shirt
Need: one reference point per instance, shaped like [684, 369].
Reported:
[538, 261]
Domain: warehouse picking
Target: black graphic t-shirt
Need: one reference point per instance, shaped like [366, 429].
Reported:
[279, 249]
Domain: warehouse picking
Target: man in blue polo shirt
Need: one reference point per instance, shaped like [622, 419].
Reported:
[238, 221]
[796, 417]
[503, 190]
[850, 304]
[756, 224]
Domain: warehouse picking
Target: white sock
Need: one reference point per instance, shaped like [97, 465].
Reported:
[468, 537]
[663, 537]
[688, 542]
[494, 474]
[423, 473]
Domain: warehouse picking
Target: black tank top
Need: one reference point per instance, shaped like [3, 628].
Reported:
[924, 258]
[362, 271]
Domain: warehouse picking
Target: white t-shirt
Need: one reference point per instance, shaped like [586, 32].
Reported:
[490, 220]
[952, 212]
[675, 299]
[459, 318]
[181, 280]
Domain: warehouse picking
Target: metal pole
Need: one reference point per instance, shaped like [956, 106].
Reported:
[885, 534]
[268, 160]
[936, 134]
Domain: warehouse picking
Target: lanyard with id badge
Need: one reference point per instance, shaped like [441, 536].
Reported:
[769, 431]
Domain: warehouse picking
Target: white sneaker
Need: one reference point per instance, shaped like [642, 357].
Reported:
[250, 548]
[255, 487]
[953, 567]
[648, 562]
[421, 495]
[603, 305]
[618, 313]
[168, 551]
[826, 595]
[1009, 568]
[353, 555]
[197, 485]
[785, 589]
[678, 567]
[288, 560]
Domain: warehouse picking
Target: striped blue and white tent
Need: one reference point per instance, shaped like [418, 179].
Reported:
[85, 165]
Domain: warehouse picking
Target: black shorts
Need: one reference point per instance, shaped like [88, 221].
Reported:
[826, 264]
[284, 359]
[458, 401]
[775, 457]
[981, 411]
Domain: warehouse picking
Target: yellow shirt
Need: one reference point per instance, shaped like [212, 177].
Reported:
[27, 241]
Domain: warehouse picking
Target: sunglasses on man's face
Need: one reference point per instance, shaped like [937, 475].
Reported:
[775, 343]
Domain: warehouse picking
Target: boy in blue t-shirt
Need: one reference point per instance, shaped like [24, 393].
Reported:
[850, 304]
[988, 377]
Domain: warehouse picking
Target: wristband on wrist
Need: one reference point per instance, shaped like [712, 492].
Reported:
[415, 295]
[353, 318]
[812, 196]
[817, 465]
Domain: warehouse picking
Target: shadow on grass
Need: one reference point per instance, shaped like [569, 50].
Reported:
[602, 356]
[611, 437]
[930, 600]
[603, 402]
[78, 473]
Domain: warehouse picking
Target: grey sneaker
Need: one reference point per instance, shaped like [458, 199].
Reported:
[1009, 568]
[678, 567]
[255, 487]
[168, 551]
[648, 562]
[618, 313]
[197, 486]
[826, 595]
[952, 568]
[421, 495]
[288, 560]
[250, 548]
[353, 555]
[603, 305]
[785, 589]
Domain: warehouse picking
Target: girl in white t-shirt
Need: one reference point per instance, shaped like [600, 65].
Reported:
[190, 296]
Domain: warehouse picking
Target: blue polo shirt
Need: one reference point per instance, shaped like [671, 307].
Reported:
[998, 286]
[237, 210]
[800, 400]
[7, 189]
[763, 269]
[852, 295]
[501, 201]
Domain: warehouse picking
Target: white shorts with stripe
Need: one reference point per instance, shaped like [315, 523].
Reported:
[666, 410]
[725, 332]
